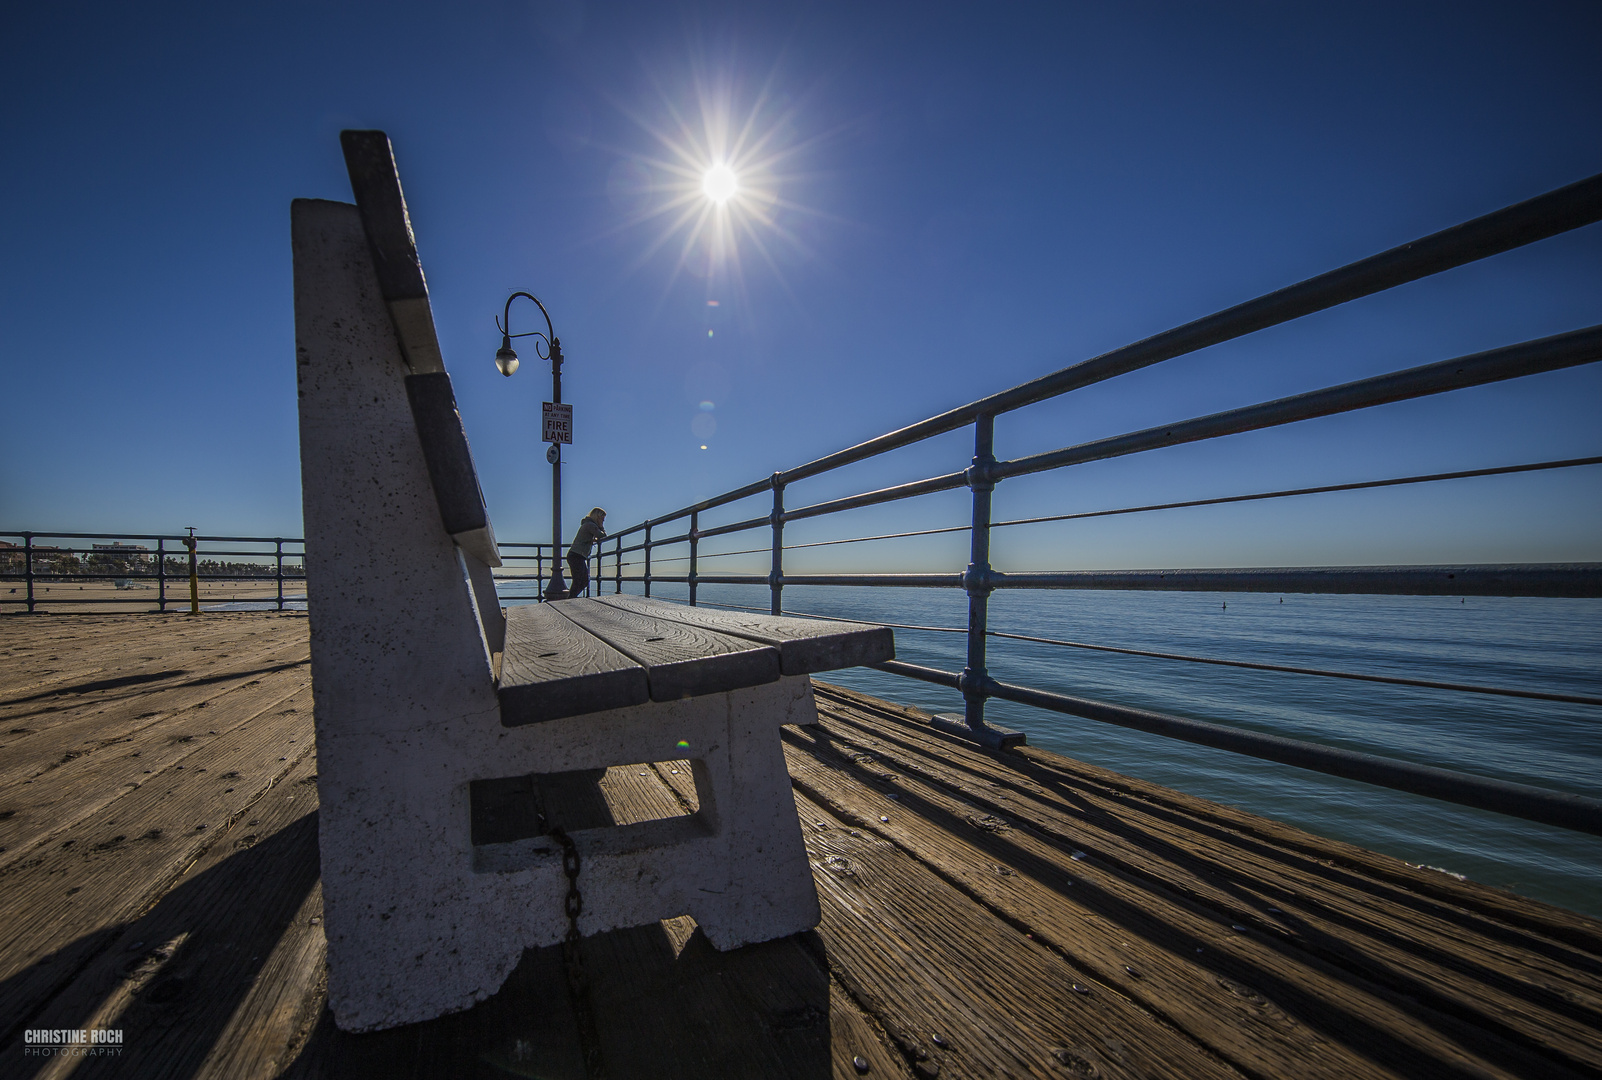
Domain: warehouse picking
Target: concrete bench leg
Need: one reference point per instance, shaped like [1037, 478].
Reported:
[420, 922]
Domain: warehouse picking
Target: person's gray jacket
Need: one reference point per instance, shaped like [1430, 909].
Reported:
[589, 534]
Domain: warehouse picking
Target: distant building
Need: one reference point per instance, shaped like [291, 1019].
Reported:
[114, 557]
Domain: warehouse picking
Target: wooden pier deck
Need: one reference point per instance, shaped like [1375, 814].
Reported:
[984, 915]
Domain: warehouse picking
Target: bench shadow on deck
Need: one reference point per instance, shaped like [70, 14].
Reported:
[984, 914]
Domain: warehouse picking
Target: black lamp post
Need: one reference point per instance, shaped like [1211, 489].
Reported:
[506, 361]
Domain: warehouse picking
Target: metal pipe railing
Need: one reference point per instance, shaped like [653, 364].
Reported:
[1547, 215]
[122, 560]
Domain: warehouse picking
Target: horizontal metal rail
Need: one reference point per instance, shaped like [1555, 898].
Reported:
[1461, 474]
[1556, 212]
[51, 566]
[1539, 579]
[1394, 680]
[883, 495]
[1397, 680]
[1524, 801]
[1495, 365]
[1359, 485]
[1550, 579]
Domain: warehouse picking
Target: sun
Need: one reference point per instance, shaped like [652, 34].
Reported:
[720, 184]
[711, 185]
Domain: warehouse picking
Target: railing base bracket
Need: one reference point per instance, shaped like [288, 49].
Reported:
[993, 737]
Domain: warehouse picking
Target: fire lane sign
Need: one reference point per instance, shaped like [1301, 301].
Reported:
[558, 427]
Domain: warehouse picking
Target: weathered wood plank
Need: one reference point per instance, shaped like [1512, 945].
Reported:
[926, 961]
[59, 904]
[94, 730]
[1468, 991]
[236, 953]
[97, 775]
[95, 714]
[680, 660]
[1256, 1002]
[1360, 917]
[553, 667]
[1502, 907]
[806, 646]
[69, 669]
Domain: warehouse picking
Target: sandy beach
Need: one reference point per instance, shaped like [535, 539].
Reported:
[142, 595]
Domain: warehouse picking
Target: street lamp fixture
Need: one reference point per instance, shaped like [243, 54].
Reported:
[506, 362]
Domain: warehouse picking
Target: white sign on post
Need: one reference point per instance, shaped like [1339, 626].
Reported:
[558, 426]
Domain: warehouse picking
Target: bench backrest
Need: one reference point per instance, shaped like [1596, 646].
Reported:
[399, 549]
[375, 181]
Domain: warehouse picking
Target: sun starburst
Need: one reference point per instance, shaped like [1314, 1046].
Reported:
[712, 187]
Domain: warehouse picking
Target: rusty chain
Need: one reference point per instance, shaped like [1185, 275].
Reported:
[573, 961]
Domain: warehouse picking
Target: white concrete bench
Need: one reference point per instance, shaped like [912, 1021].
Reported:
[442, 781]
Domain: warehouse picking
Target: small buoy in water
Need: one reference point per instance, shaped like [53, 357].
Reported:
[1226, 605]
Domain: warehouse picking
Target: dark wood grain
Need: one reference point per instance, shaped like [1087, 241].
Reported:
[553, 668]
[680, 660]
[445, 450]
[375, 181]
[806, 646]
[1331, 967]
[908, 945]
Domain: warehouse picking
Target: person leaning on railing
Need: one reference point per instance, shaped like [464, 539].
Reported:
[591, 531]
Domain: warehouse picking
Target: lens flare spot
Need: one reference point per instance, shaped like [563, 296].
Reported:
[683, 745]
[707, 406]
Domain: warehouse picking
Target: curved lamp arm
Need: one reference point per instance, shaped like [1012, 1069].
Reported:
[505, 357]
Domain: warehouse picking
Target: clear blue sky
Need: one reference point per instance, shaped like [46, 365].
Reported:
[956, 198]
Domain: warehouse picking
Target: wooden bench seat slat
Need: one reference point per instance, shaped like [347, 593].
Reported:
[552, 668]
[806, 646]
[680, 660]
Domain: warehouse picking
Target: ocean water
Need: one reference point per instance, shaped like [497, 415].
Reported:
[1528, 643]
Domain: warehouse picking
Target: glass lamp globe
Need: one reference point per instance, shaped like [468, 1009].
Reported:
[505, 358]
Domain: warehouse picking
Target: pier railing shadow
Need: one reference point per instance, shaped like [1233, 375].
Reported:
[173, 979]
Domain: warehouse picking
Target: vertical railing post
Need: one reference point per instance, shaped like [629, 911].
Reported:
[695, 536]
[776, 573]
[646, 574]
[280, 546]
[539, 572]
[27, 563]
[617, 567]
[161, 574]
[194, 570]
[976, 580]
